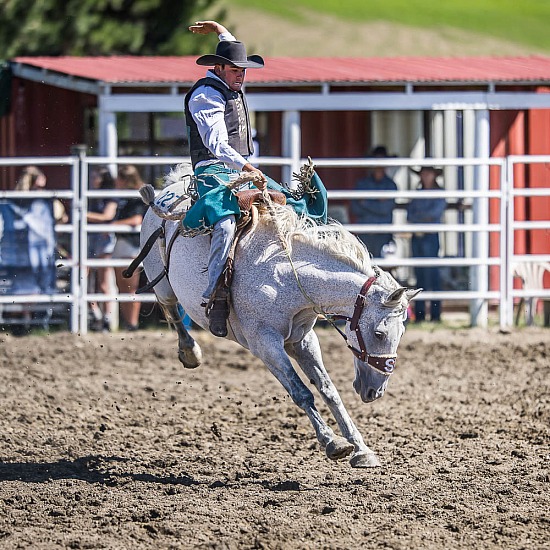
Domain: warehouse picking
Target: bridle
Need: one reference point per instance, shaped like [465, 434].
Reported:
[382, 363]
[360, 303]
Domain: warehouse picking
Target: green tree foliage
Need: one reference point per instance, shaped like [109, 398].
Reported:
[102, 27]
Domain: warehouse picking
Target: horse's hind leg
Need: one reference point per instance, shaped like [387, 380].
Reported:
[307, 353]
[189, 352]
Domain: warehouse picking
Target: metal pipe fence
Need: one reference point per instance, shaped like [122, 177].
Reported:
[79, 297]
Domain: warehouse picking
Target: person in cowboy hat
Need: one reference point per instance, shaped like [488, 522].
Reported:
[221, 142]
[426, 245]
[375, 211]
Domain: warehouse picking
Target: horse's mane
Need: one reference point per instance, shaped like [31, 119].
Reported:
[331, 237]
[180, 172]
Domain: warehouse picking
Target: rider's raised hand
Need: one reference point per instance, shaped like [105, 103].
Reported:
[206, 27]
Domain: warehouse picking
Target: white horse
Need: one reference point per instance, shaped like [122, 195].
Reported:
[286, 272]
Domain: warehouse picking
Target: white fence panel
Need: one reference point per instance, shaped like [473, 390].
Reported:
[73, 195]
[79, 297]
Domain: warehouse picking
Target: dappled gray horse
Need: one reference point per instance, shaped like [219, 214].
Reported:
[287, 272]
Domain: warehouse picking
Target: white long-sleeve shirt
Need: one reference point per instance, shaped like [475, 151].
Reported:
[207, 107]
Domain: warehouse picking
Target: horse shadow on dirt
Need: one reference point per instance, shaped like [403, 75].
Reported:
[112, 471]
[97, 469]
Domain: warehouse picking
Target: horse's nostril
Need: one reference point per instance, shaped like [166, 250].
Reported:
[379, 334]
[371, 394]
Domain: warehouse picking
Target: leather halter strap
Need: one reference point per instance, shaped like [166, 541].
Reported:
[382, 363]
[358, 308]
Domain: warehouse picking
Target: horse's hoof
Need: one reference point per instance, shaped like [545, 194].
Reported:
[190, 358]
[364, 460]
[338, 448]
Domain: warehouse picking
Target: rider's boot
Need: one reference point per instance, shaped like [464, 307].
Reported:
[218, 313]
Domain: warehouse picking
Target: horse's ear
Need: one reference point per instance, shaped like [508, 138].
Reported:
[410, 293]
[394, 298]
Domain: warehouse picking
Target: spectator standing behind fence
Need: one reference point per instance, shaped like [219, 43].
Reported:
[101, 245]
[40, 219]
[375, 211]
[33, 179]
[426, 245]
[130, 211]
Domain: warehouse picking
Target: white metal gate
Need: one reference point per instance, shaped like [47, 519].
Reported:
[479, 295]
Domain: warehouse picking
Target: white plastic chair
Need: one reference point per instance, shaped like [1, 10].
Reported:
[532, 277]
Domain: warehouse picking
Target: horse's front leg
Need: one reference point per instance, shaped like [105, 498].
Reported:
[307, 353]
[272, 352]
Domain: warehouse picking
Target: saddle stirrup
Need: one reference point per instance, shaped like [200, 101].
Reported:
[217, 312]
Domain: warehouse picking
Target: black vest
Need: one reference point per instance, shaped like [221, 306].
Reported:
[237, 122]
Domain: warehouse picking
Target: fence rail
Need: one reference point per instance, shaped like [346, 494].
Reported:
[478, 294]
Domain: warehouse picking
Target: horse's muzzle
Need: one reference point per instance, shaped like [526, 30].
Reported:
[370, 384]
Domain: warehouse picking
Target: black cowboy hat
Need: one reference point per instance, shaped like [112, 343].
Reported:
[438, 171]
[231, 53]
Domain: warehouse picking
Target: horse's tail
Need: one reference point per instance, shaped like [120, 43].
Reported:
[147, 193]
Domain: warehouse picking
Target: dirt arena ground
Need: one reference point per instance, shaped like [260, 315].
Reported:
[107, 442]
